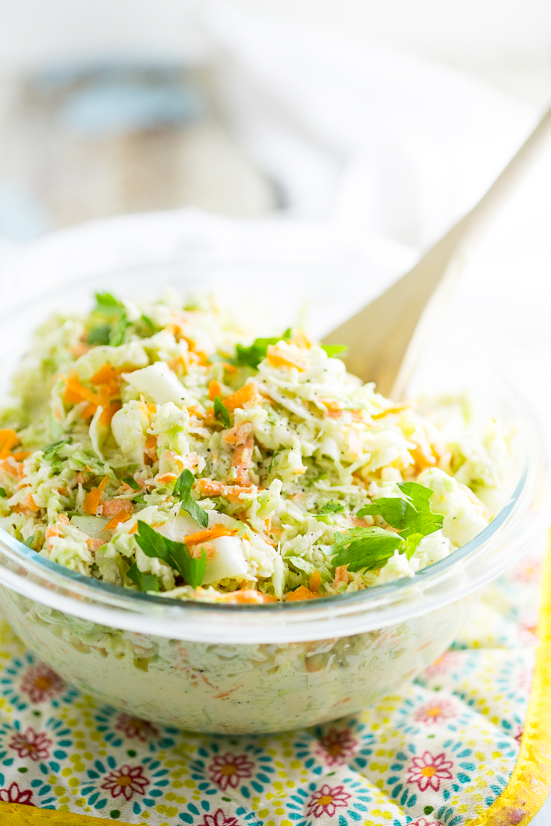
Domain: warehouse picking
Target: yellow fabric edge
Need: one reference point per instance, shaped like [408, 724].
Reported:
[530, 782]
[22, 815]
[524, 795]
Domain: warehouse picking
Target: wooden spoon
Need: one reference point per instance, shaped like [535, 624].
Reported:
[386, 338]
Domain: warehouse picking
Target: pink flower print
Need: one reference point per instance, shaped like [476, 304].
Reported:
[525, 679]
[228, 769]
[126, 780]
[444, 664]
[529, 571]
[435, 712]
[219, 819]
[528, 629]
[30, 744]
[337, 746]
[327, 800]
[134, 727]
[41, 683]
[422, 821]
[14, 794]
[427, 771]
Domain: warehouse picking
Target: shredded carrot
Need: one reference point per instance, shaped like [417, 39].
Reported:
[214, 390]
[91, 503]
[280, 358]
[229, 368]
[301, 340]
[12, 467]
[167, 478]
[208, 535]
[106, 375]
[210, 487]
[8, 438]
[116, 520]
[28, 503]
[151, 448]
[302, 592]
[241, 462]
[249, 596]
[134, 528]
[112, 507]
[108, 412]
[238, 435]
[245, 396]
[315, 582]
[21, 455]
[341, 574]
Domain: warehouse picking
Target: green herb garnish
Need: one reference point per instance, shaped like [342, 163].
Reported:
[182, 488]
[370, 547]
[118, 332]
[258, 350]
[367, 548]
[99, 335]
[29, 541]
[221, 412]
[412, 516]
[175, 554]
[3, 493]
[107, 303]
[145, 582]
[334, 350]
[330, 508]
[50, 450]
[128, 480]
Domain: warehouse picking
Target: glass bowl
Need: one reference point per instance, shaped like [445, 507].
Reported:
[262, 668]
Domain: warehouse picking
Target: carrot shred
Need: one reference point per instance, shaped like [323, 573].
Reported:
[8, 438]
[116, 520]
[315, 582]
[302, 592]
[91, 503]
[249, 596]
[215, 390]
[208, 535]
[242, 462]
[108, 412]
[280, 359]
[151, 448]
[245, 396]
[21, 455]
[341, 574]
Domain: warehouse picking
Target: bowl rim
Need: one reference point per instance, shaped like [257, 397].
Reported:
[366, 600]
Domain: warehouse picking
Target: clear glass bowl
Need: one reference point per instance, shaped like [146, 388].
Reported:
[253, 669]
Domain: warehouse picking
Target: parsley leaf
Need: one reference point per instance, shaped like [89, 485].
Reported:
[365, 548]
[107, 303]
[99, 335]
[50, 450]
[146, 321]
[334, 350]
[175, 554]
[329, 508]
[128, 480]
[332, 507]
[29, 541]
[258, 350]
[221, 412]
[3, 493]
[145, 582]
[182, 488]
[411, 515]
[118, 331]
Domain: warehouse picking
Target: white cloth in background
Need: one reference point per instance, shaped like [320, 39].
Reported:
[376, 153]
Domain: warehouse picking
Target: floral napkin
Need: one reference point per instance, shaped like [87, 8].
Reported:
[439, 751]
